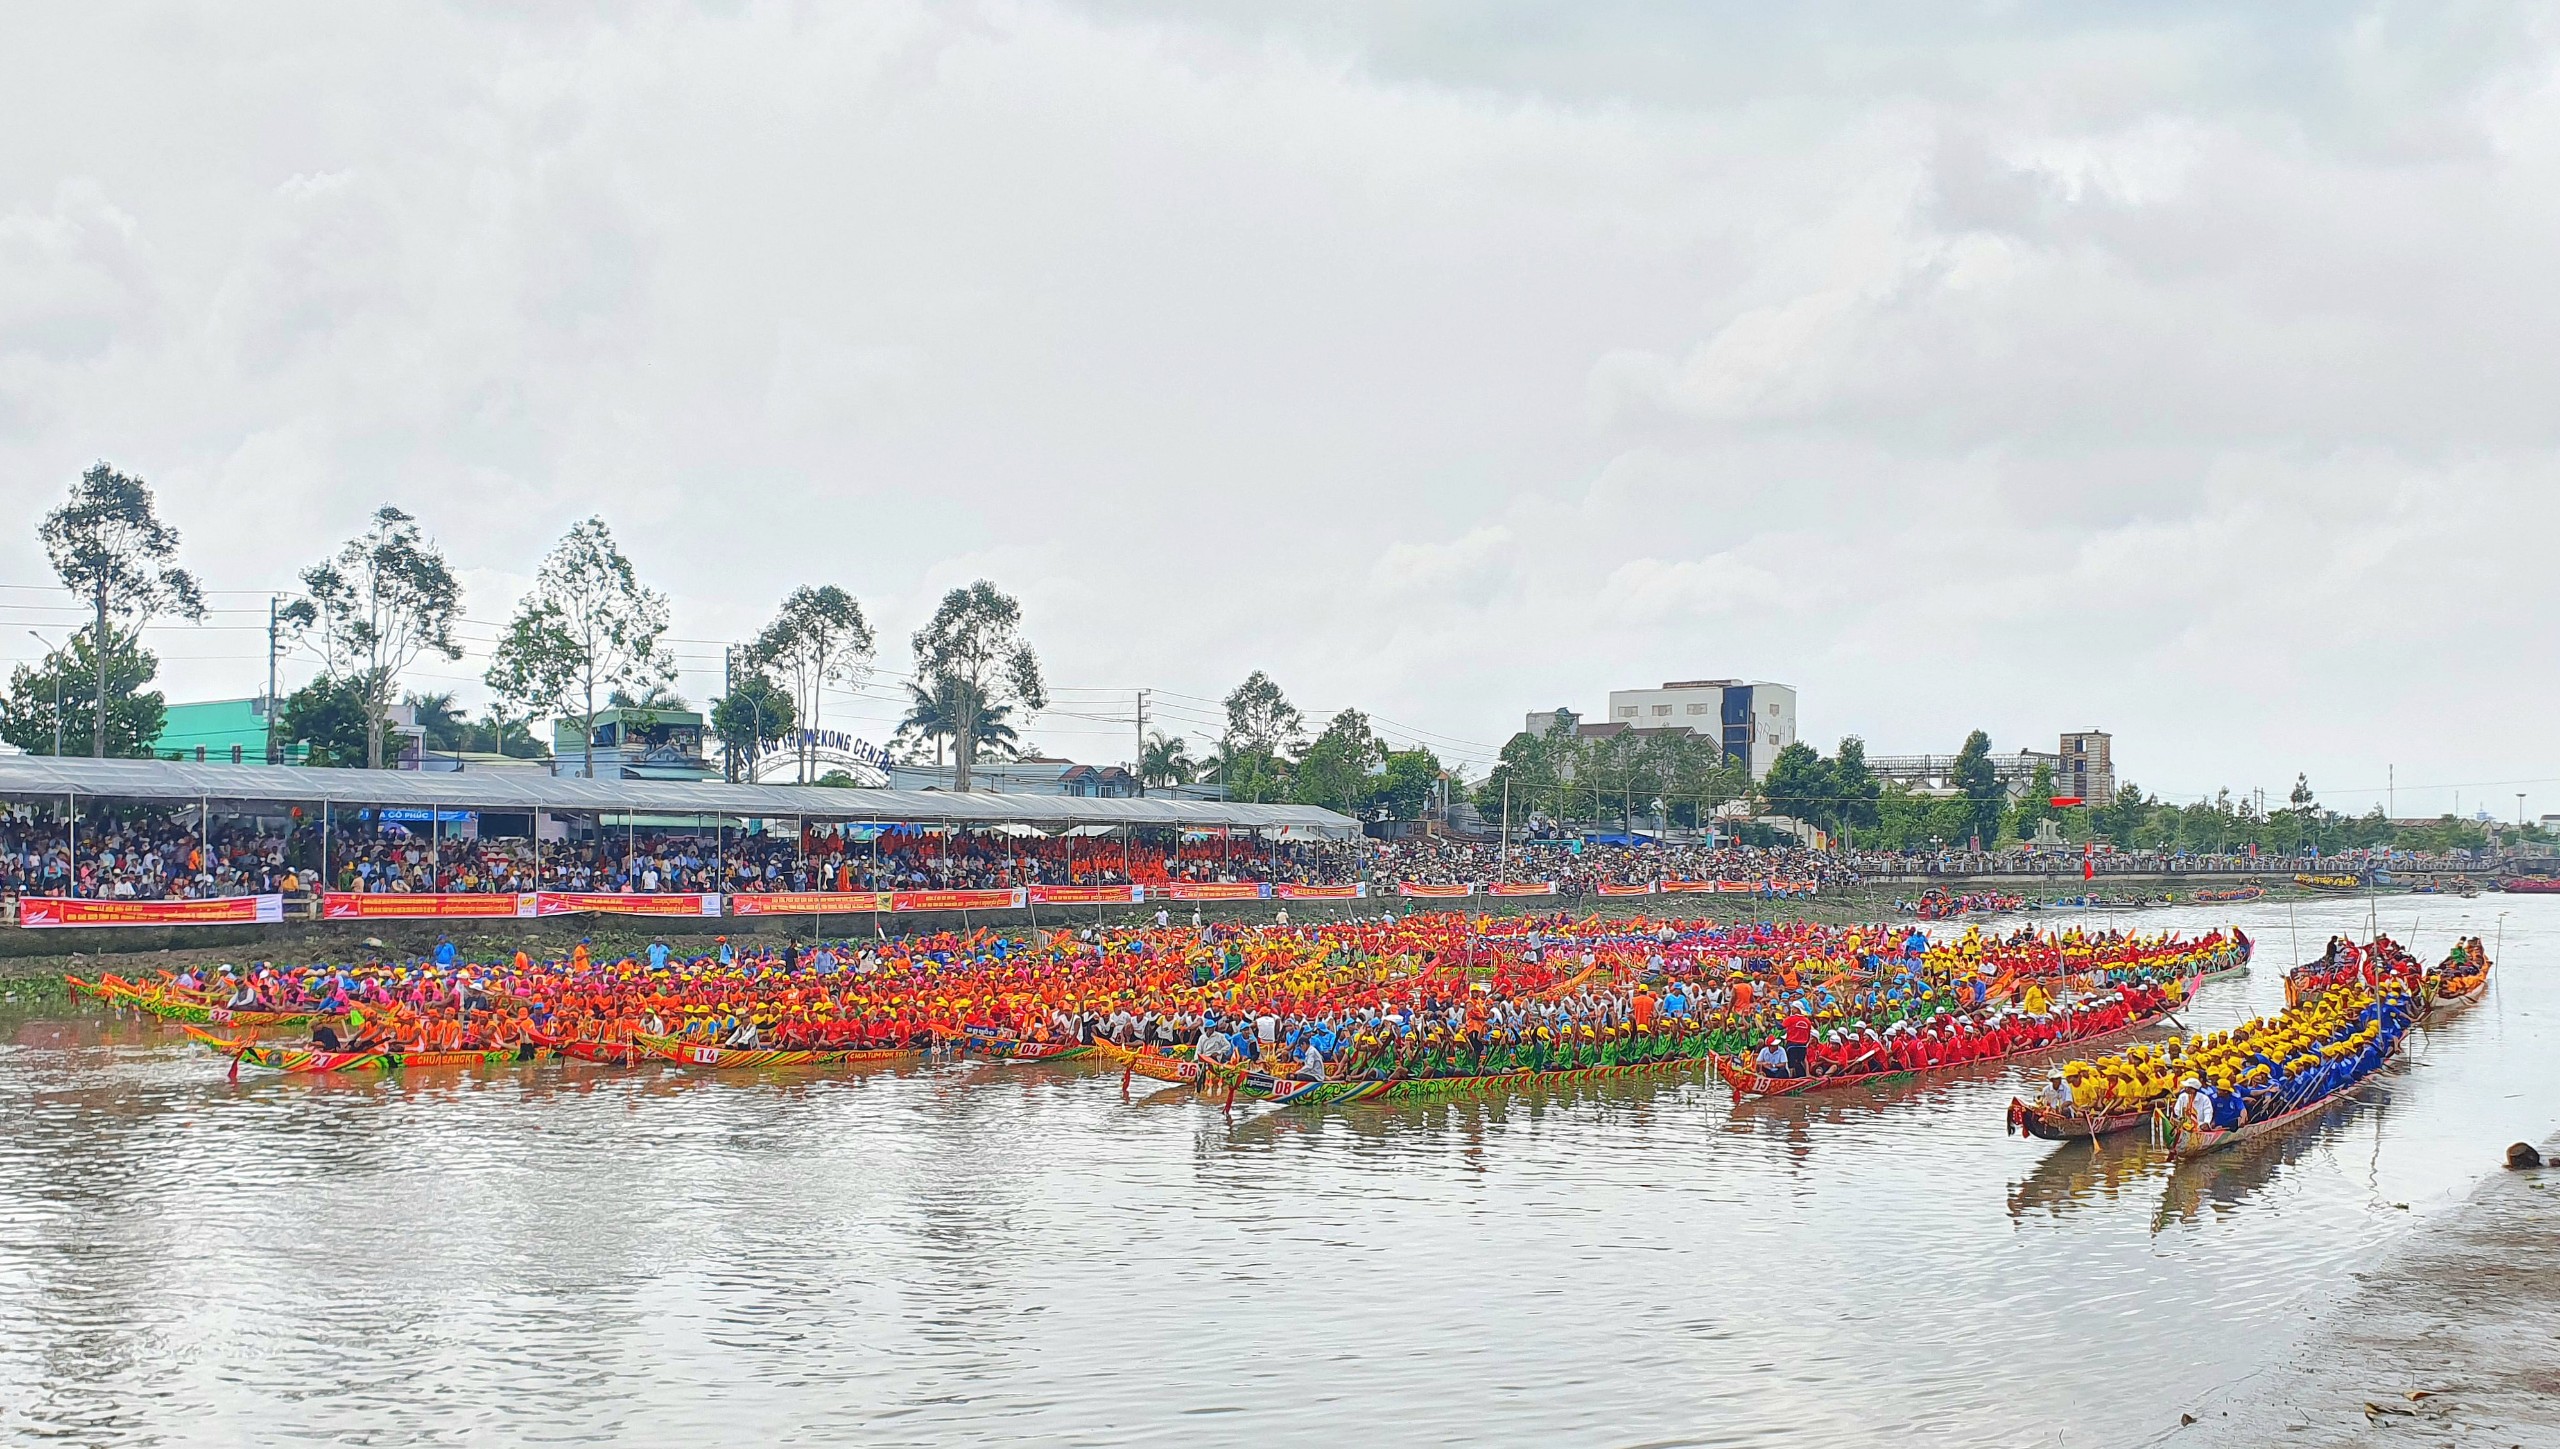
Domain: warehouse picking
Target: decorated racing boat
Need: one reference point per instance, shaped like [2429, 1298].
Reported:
[1002, 1048]
[162, 1002]
[709, 1054]
[1287, 1091]
[2188, 1141]
[603, 1053]
[2448, 993]
[1148, 1062]
[2036, 1120]
[1746, 1081]
[311, 1058]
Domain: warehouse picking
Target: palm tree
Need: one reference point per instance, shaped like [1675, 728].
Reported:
[445, 727]
[936, 714]
[1166, 761]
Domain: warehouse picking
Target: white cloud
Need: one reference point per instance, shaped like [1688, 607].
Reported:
[1959, 369]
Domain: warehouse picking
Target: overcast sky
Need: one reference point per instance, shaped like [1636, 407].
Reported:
[2178, 372]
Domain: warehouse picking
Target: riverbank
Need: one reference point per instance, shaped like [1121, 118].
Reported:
[2447, 1339]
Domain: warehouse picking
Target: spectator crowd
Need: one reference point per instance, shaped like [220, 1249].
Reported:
[160, 854]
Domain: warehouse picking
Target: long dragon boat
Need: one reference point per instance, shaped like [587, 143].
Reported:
[604, 1053]
[1285, 1091]
[306, 1059]
[2184, 1142]
[157, 1001]
[709, 1054]
[1017, 1049]
[2444, 998]
[1149, 1062]
[2037, 1120]
[1745, 1080]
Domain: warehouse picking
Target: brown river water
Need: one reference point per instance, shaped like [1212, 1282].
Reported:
[561, 1254]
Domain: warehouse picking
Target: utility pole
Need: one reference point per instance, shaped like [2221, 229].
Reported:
[728, 751]
[1141, 770]
[98, 745]
[271, 681]
[59, 662]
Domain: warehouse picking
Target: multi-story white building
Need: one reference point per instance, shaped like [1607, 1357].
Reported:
[1752, 719]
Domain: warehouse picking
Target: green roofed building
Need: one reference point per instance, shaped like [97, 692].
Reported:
[217, 731]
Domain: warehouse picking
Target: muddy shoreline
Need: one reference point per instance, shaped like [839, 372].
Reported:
[2451, 1336]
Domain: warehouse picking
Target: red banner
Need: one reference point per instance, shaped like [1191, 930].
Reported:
[1520, 888]
[1707, 886]
[412, 905]
[1088, 895]
[1409, 888]
[808, 903]
[46, 911]
[997, 900]
[1321, 892]
[626, 903]
[1192, 890]
[1626, 890]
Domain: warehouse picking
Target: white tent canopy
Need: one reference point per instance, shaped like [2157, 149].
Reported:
[52, 777]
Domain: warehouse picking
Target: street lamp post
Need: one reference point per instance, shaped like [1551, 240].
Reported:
[51, 653]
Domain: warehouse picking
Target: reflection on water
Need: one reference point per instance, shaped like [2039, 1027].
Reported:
[938, 1254]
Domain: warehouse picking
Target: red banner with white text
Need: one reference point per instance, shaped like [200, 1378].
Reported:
[627, 903]
[1672, 887]
[418, 905]
[1194, 890]
[807, 903]
[49, 911]
[995, 900]
[1433, 892]
[1088, 895]
[1607, 889]
[1520, 888]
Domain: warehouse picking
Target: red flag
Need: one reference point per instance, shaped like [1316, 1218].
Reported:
[2089, 869]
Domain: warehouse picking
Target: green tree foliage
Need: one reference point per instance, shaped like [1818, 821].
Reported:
[134, 715]
[1671, 774]
[1335, 770]
[1854, 788]
[329, 717]
[2038, 805]
[1263, 730]
[1799, 785]
[587, 628]
[1166, 760]
[1986, 800]
[1407, 784]
[755, 715]
[442, 724]
[818, 639]
[972, 655]
[108, 545]
[385, 599]
[447, 728]
[935, 716]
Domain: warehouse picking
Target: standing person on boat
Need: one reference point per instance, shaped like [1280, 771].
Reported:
[1798, 1031]
[445, 954]
[657, 956]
